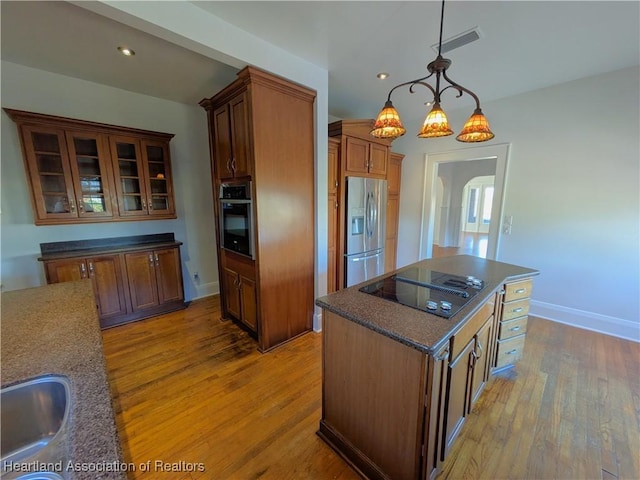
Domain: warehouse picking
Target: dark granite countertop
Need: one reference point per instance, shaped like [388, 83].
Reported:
[85, 248]
[54, 329]
[421, 330]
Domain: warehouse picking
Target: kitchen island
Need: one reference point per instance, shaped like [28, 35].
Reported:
[398, 382]
[54, 330]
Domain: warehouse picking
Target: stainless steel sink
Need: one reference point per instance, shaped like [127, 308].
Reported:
[34, 416]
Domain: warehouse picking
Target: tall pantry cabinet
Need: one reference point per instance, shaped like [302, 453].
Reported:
[261, 129]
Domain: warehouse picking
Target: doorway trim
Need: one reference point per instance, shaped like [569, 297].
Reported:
[501, 153]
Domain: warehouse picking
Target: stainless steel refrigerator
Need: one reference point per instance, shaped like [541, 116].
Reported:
[365, 229]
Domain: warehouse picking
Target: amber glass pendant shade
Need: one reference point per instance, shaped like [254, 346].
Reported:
[476, 129]
[436, 124]
[388, 124]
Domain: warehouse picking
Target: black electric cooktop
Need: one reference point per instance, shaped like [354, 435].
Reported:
[438, 293]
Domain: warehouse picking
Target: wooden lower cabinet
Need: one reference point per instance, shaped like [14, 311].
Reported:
[108, 285]
[155, 277]
[128, 285]
[105, 272]
[239, 291]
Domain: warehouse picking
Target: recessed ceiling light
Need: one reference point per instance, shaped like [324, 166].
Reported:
[382, 75]
[126, 51]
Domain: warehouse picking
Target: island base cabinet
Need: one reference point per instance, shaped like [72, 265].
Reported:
[373, 410]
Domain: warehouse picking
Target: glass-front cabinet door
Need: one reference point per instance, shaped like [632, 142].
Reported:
[158, 173]
[129, 176]
[47, 158]
[90, 173]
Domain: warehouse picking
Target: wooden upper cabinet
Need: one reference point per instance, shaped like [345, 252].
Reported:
[91, 175]
[362, 155]
[83, 172]
[143, 173]
[231, 133]
[394, 173]
[378, 159]
[333, 159]
[129, 174]
[367, 158]
[68, 173]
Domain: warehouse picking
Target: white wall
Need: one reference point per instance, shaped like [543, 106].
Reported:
[572, 187]
[34, 90]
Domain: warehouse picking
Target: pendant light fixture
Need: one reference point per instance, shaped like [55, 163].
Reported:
[476, 129]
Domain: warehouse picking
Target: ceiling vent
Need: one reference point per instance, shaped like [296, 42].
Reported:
[458, 41]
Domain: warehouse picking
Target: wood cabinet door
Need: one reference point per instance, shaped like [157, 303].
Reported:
[168, 275]
[141, 274]
[90, 169]
[240, 136]
[69, 270]
[158, 178]
[332, 179]
[436, 391]
[231, 292]
[481, 360]
[394, 173]
[50, 174]
[458, 380]
[378, 159]
[391, 241]
[105, 272]
[249, 304]
[129, 172]
[356, 155]
[222, 143]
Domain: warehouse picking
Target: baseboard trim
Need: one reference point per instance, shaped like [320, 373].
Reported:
[317, 321]
[616, 327]
[206, 290]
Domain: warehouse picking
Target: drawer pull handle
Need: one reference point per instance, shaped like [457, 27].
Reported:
[521, 290]
[444, 356]
[517, 310]
[514, 329]
[511, 352]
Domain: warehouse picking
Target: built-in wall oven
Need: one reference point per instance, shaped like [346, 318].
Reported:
[236, 218]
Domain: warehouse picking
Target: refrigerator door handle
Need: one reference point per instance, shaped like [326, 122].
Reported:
[364, 257]
[371, 217]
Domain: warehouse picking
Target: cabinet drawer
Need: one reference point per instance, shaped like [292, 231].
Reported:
[517, 290]
[512, 328]
[469, 329]
[510, 351]
[516, 309]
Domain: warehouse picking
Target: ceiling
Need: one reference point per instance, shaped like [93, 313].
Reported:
[523, 46]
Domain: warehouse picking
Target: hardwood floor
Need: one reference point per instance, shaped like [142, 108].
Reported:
[192, 391]
[470, 244]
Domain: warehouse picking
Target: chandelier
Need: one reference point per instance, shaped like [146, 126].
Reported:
[476, 129]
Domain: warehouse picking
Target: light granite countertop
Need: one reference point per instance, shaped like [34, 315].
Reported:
[416, 328]
[54, 329]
